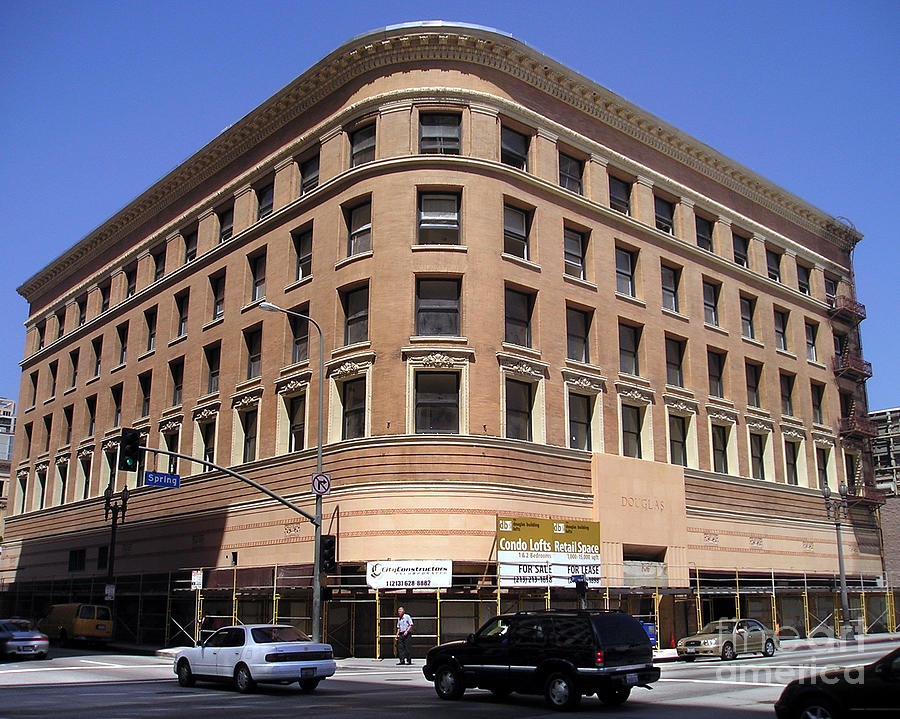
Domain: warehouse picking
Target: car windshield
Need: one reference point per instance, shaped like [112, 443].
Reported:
[494, 629]
[17, 625]
[270, 635]
[717, 628]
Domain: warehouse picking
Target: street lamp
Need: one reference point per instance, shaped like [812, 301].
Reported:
[836, 508]
[317, 597]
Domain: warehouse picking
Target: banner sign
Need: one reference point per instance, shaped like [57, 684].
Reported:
[427, 574]
[547, 552]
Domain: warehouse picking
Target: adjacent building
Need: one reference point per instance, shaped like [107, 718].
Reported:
[7, 436]
[536, 300]
[886, 457]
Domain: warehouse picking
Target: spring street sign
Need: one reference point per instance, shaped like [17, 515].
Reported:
[161, 479]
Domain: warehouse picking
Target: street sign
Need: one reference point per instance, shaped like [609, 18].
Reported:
[110, 592]
[197, 579]
[321, 483]
[161, 479]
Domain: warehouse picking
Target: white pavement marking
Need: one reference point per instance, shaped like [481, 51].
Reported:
[723, 681]
[102, 664]
[38, 670]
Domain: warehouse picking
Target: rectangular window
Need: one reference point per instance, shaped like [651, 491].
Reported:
[715, 362]
[704, 233]
[104, 301]
[60, 323]
[182, 302]
[570, 172]
[116, 394]
[803, 279]
[48, 422]
[665, 214]
[629, 340]
[678, 440]
[674, 362]
[515, 231]
[579, 421]
[33, 378]
[81, 305]
[752, 372]
[359, 223]
[97, 347]
[176, 372]
[773, 265]
[130, 281]
[354, 408]
[145, 382]
[90, 405]
[620, 195]
[822, 466]
[757, 456]
[362, 145]
[297, 417]
[299, 334]
[190, 246]
[249, 425]
[720, 448]
[309, 174]
[122, 333]
[840, 343]
[265, 201]
[150, 323]
[54, 373]
[303, 251]
[748, 306]
[439, 133]
[670, 277]
[172, 441]
[438, 218]
[631, 431]
[831, 287]
[356, 315]
[226, 224]
[574, 244]
[518, 310]
[518, 409]
[787, 394]
[740, 245]
[159, 263]
[791, 451]
[578, 324]
[208, 440]
[818, 392]
[514, 148]
[625, 265]
[213, 356]
[253, 344]
[77, 559]
[811, 331]
[781, 320]
[437, 403]
[28, 436]
[437, 307]
[711, 303]
[73, 365]
[258, 277]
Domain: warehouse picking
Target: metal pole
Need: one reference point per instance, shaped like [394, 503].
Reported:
[846, 627]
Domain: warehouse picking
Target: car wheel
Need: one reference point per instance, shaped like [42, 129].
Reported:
[816, 708]
[448, 683]
[769, 649]
[614, 697]
[185, 675]
[308, 686]
[728, 651]
[561, 693]
[243, 682]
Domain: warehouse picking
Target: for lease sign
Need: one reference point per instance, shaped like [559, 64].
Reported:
[547, 552]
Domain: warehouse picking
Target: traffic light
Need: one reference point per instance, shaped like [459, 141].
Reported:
[327, 553]
[129, 450]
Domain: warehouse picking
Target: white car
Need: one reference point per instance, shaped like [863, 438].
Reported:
[251, 653]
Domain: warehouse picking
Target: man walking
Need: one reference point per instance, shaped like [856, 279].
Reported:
[404, 636]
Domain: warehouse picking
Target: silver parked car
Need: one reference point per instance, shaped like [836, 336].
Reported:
[726, 638]
[19, 639]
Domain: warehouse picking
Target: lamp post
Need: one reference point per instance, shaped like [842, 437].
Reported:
[117, 509]
[836, 508]
[317, 596]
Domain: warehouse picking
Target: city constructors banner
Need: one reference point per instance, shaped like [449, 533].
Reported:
[547, 552]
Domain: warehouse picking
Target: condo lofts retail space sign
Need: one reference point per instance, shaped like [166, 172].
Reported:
[547, 552]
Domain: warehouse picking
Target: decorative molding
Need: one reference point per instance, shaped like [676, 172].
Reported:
[23, 473]
[246, 400]
[85, 452]
[823, 440]
[680, 405]
[437, 357]
[523, 367]
[61, 459]
[349, 366]
[170, 423]
[633, 393]
[792, 432]
[720, 414]
[349, 369]
[592, 384]
[760, 425]
[293, 384]
[110, 444]
[206, 411]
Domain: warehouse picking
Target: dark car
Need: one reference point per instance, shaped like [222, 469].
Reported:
[560, 654]
[848, 691]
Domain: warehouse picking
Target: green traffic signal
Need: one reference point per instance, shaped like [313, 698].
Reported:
[129, 450]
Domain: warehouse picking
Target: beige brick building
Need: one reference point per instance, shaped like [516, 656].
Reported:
[536, 298]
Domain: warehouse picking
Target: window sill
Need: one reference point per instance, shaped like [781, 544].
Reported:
[49, 399]
[751, 341]
[148, 353]
[29, 409]
[70, 390]
[816, 363]
[521, 349]
[213, 322]
[580, 282]
[634, 379]
[172, 411]
[92, 379]
[758, 411]
[247, 384]
[632, 300]
[350, 349]
[521, 261]
[353, 258]
[117, 368]
[207, 398]
[679, 390]
[298, 283]
[253, 304]
[439, 248]
[785, 353]
[180, 338]
[716, 328]
[674, 313]
[438, 338]
[721, 401]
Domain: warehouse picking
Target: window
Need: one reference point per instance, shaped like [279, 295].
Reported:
[62, 471]
[116, 394]
[73, 364]
[54, 373]
[104, 297]
[822, 466]
[130, 281]
[518, 409]
[28, 436]
[748, 306]
[356, 315]
[226, 223]
[90, 405]
[362, 145]
[438, 218]
[818, 391]
[674, 362]
[48, 426]
[144, 382]
[208, 441]
[803, 279]
[740, 245]
[791, 452]
[570, 172]
[309, 174]
[515, 231]
[354, 408]
[359, 238]
[217, 288]
[773, 265]
[437, 307]
[665, 214]
[299, 335]
[303, 251]
[781, 320]
[625, 263]
[787, 394]
[574, 244]
[248, 424]
[720, 448]
[752, 372]
[437, 402]
[670, 278]
[297, 418]
[182, 301]
[711, 303]
[678, 440]
[176, 372]
[620, 195]
[81, 304]
[840, 343]
[757, 455]
[518, 310]
[629, 340]
[850, 469]
[265, 201]
[213, 356]
[578, 324]
[77, 559]
[514, 148]
[631, 431]
[150, 323]
[715, 362]
[579, 421]
[258, 277]
[190, 246]
[831, 287]
[97, 347]
[811, 331]
[704, 233]
[60, 323]
[159, 263]
[172, 441]
[122, 333]
[253, 344]
[439, 133]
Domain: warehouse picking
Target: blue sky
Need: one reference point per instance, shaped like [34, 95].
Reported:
[99, 100]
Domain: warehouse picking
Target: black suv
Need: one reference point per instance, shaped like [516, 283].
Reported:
[562, 654]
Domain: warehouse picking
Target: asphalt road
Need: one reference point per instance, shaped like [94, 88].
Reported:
[90, 685]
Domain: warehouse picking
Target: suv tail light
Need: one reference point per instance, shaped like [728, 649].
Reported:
[599, 659]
